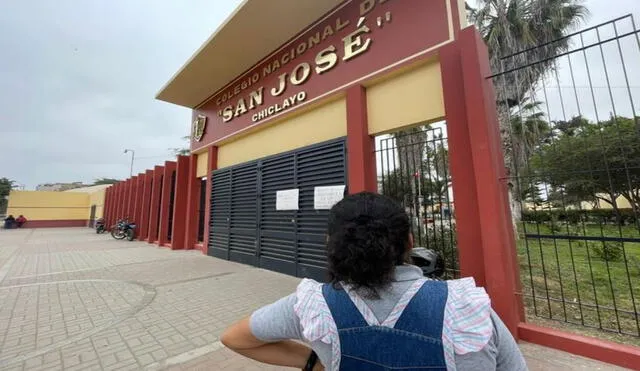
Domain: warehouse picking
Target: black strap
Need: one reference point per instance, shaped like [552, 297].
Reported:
[311, 362]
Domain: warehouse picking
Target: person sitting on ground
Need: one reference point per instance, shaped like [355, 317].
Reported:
[20, 221]
[9, 222]
[377, 313]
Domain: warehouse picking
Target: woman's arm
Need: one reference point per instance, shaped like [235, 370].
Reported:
[241, 340]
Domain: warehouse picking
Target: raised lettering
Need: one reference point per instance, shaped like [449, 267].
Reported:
[241, 108]
[353, 44]
[266, 70]
[227, 114]
[236, 91]
[326, 60]
[286, 103]
[301, 48]
[306, 72]
[328, 31]
[256, 98]
[270, 110]
[282, 85]
[367, 6]
[314, 40]
[285, 59]
[341, 25]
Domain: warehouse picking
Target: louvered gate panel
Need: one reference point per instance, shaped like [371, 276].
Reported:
[323, 165]
[277, 228]
[244, 221]
[220, 214]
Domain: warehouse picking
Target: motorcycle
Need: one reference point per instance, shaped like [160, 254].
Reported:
[429, 261]
[123, 229]
[99, 225]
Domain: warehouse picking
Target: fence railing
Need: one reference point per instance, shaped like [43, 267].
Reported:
[413, 169]
[570, 111]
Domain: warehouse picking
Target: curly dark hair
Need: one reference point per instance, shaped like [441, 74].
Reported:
[368, 238]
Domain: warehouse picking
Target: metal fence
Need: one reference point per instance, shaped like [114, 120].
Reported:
[568, 112]
[413, 169]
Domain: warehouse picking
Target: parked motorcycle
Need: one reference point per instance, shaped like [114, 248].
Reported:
[429, 261]
[123, 229]
[100, 227]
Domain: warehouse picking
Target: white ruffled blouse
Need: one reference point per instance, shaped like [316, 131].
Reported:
[467, 323]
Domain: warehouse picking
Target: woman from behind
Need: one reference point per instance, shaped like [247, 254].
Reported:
[377, 312]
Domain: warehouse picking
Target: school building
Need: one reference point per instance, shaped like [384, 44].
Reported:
[288, 98]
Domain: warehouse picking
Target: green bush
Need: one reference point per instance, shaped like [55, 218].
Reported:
[605, 216]
[610, 252]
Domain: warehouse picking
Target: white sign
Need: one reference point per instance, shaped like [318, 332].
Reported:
[325, 197]
[287, 200]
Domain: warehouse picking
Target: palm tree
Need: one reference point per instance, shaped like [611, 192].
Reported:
[523, 31]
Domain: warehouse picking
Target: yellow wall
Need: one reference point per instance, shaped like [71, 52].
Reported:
[203, 162]
[49, 205]
[406, 99]
[97, 198]
[317, 125]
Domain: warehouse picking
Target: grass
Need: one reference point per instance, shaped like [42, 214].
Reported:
[570, 281]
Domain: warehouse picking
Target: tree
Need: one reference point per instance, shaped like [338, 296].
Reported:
[509, 27]
[6, 186]
[182, 151]
[101, 181]
[594, 162]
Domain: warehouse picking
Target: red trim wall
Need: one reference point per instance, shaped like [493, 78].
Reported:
[193, 204]
[163, 232]
[156, 197]
[55, 223]
[361, 161]
[180, 202]
[605, 351]
[212, 165]
[146, 204]
[486, 244]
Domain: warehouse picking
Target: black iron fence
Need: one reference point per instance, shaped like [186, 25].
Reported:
[569, 112]
[413, 169]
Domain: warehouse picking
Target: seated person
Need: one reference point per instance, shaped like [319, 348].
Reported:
[20, 221]
[9, 222]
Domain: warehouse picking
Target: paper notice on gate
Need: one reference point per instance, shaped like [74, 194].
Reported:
[287, 199]
[325, 197]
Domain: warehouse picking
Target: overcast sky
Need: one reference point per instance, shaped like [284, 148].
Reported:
[78, 80]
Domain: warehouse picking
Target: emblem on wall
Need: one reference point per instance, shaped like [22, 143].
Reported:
[199, 125]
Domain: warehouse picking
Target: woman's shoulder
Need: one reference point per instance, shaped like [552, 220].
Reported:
[467, 320]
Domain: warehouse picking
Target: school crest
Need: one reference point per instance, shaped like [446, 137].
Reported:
[199, 125]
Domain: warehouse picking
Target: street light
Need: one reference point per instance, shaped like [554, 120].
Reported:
[133, 155]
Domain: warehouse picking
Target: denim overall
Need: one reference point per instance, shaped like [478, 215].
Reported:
[415, 343]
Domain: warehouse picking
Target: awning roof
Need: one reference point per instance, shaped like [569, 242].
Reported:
[254, 30]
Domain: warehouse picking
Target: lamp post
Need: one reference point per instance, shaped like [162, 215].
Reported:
[133, 155]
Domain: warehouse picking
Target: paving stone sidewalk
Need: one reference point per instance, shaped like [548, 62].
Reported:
[74, 300]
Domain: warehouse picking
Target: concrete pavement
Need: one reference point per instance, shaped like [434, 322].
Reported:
[74, 300]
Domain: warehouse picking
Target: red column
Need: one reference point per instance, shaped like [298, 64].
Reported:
[486, 245]
[180, 204]
[146, 203]
[137, 204]
[361, 163]
[163, 232]
[108, 204]
[193, 204]
[131, 199]
[120, 202]
[125, 198]
[212, 165]
[156, 196]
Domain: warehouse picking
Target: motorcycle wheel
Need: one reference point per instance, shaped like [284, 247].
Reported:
[130, 235]
[117, 234]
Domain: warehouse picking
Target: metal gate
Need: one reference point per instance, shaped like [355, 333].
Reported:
[247, 228]
[569, 112]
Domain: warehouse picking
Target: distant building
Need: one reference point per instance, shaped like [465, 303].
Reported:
[59, 187]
